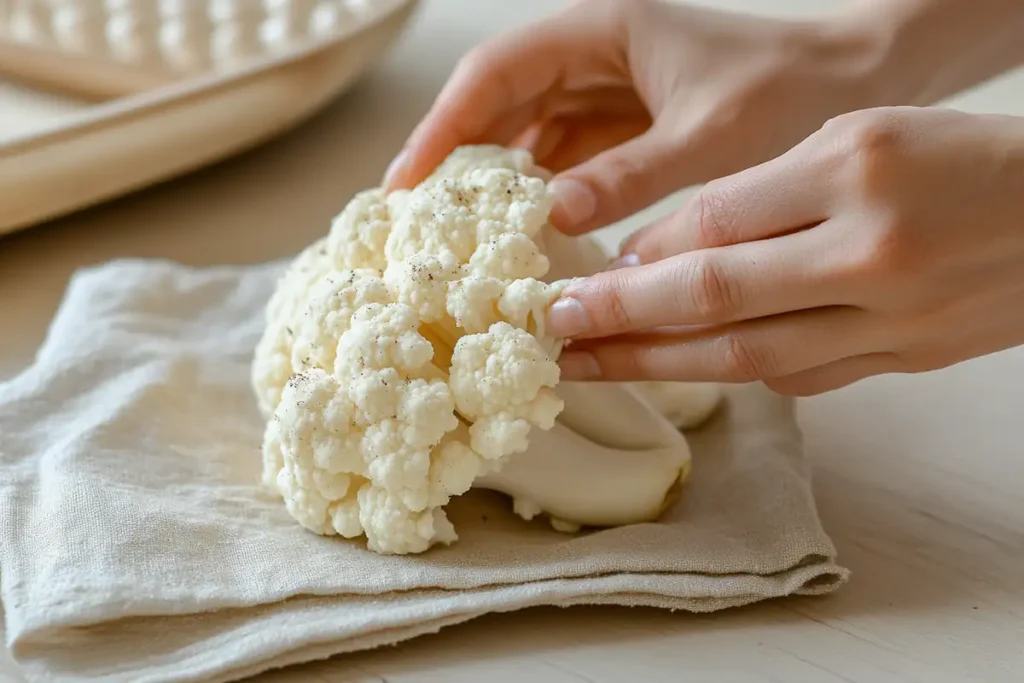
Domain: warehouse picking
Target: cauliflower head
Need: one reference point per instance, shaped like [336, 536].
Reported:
[404, 354]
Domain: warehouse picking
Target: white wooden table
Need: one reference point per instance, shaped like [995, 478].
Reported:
[920, 480]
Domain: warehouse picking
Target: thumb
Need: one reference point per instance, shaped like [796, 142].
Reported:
[617, 183]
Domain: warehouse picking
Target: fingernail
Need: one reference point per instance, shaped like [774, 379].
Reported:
[575, 203]
[627, 261]
[567, 318]
[395, 166]
[579, 365]
[628, 243]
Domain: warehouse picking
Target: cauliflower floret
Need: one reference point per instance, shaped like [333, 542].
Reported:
[434, 221]
[502, 381]
[404, 355]
[271, 365]
[391, 528]
[358, 234]
[459, 213]
[344, 514]
[506, 201]
[453, 470]
[472, 157]
[311, 449]
[328, 309]
[397, 201]
[509, 256]
[421, 282]
[473, 302]
[383, 336]
[524, 303]
[361, 460]
[398, 448]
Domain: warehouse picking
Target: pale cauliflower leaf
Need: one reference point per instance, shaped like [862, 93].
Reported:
[404, 354]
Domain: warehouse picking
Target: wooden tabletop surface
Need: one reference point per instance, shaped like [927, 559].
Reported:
[919, 479]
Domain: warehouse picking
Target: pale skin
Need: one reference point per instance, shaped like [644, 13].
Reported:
[845, 226]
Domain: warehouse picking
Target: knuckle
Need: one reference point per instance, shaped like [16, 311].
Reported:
[613, 310]
[868, 147]
[865, 127]
[709, 292]
[748, 362]
[711, 226]
[874, 136]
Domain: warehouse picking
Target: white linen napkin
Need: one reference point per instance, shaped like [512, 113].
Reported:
[138, 546]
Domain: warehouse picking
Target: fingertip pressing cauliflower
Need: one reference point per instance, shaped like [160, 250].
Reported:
[405, 361]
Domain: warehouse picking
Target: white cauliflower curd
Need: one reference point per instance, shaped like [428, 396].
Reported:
[404, 354]
[405, 361]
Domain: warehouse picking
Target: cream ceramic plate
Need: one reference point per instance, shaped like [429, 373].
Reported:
[172, 85]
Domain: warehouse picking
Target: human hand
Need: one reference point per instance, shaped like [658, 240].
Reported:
[891, 240]
[628, 101]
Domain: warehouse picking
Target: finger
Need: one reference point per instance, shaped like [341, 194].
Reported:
[788, 193]
[541, 139]
[498, 77]
[608, 100]
[712, 286]
[742, 352]
[616, 183]
[587, 136]
[836, 375]
[510, 127]
[587, 109]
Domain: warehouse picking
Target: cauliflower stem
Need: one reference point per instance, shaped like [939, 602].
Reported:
[405, 361]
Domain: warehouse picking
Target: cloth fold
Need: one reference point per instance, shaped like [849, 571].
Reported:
[137, 544]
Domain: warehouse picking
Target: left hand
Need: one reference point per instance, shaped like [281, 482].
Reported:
[891, 240]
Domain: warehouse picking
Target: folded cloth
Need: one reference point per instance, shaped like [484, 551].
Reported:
[137, 544]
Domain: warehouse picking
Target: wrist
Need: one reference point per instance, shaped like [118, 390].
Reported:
[917, 52]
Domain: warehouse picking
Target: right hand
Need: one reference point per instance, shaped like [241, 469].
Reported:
[627, 101]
